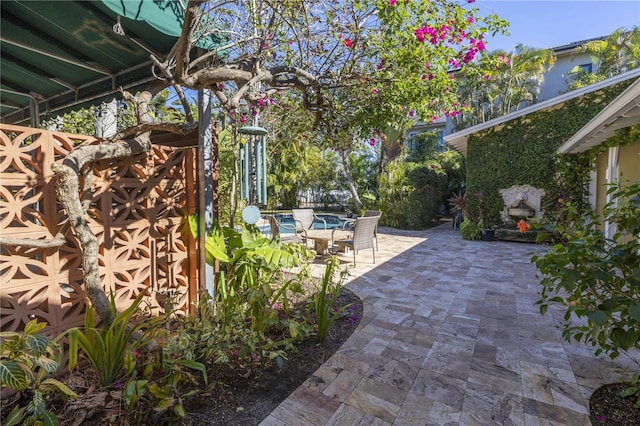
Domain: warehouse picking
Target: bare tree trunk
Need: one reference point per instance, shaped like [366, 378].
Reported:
[352, 187]
[77, 167]
[67, 176]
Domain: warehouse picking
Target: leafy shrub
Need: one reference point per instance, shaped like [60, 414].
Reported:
[26, 361]
[471, 229]
[251, 311]
[410, 194]
[597, 279]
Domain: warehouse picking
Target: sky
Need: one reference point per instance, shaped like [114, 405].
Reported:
[550, 23]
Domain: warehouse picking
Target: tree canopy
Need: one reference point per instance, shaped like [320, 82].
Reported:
[359, 59]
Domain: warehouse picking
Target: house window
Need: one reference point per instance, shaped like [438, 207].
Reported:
[588, 68]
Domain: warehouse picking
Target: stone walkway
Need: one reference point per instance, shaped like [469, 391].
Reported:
[449, 336]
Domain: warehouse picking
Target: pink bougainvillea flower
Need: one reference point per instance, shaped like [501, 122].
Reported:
[374, 91]
[243, 119]
[471, 1]
[347, 42]
[487, 77]
[392, 2]
[372, 142]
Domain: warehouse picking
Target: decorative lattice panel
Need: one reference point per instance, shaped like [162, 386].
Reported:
[137, 213]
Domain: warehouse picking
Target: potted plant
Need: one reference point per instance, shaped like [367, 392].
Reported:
[488, 223]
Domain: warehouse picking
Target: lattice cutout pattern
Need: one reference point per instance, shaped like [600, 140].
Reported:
[137, 213]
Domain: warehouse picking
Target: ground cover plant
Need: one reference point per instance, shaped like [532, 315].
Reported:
[596, 279]
[269, 325]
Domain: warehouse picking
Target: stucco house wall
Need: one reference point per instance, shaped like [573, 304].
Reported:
[555, 80]
[630, 161]
[628, 169]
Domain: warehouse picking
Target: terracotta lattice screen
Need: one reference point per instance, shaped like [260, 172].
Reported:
[137, 212]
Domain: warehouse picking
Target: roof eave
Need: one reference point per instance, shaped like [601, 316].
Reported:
[623, 111]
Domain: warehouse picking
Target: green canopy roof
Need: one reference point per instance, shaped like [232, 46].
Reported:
[62, 54]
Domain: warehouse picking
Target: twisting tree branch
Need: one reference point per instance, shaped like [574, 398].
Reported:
[67, 175]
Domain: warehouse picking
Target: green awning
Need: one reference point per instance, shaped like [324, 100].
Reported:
[63, 54]
[165, 16]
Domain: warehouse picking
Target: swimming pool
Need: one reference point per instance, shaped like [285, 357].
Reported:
[332, 220]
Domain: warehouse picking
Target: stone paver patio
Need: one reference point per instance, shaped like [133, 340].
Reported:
[449, 336]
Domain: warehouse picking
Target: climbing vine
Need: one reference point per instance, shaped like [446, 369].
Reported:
[524, 151]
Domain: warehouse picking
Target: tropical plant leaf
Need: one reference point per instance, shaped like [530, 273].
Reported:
[14, 417]
[49, 419]
[37, 343]
[37, 405]
[634, 311]
[134, 390]
[277, 257]
[164, 404]
[599, 317]
[194, 365]
[33, 327]
[216, 247]
[159, 391]
[194, 224]
[179, 410]
[47, 364]
[12, 375]
[60, 386]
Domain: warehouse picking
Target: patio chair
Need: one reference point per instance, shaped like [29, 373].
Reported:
[275, 226]
[363, 231]
[372, 213]
[367, 213]
[303, 219]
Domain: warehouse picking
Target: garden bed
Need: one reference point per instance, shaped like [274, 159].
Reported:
[233, 397]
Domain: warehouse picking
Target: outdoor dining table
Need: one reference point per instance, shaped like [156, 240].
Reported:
[321, 238]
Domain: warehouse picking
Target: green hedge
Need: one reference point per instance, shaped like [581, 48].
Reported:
[523, 151]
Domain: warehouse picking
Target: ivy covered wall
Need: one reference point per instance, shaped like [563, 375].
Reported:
[523, 151]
